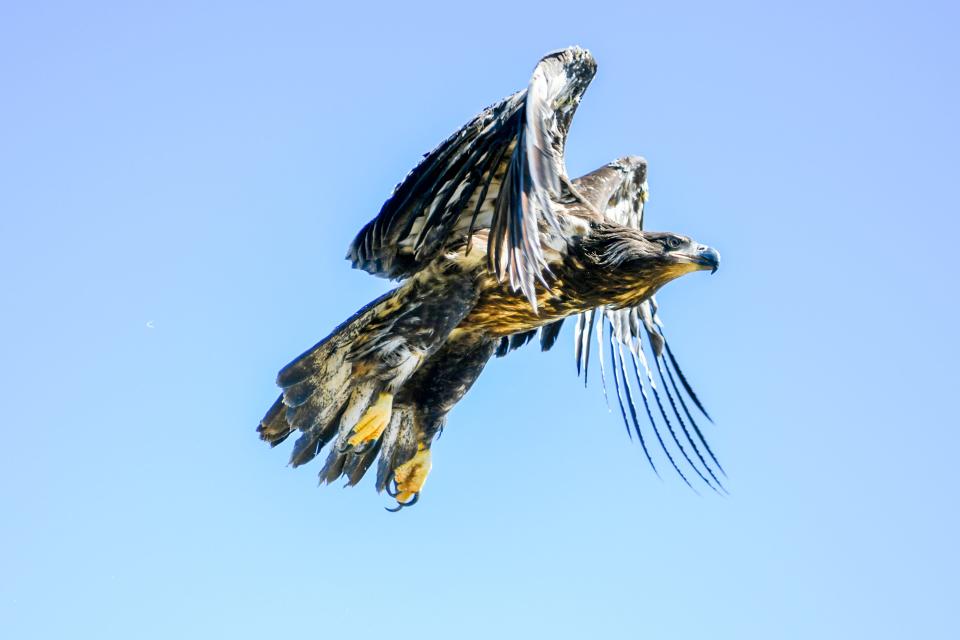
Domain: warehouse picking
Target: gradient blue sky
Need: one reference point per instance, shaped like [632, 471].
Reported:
[202, 168]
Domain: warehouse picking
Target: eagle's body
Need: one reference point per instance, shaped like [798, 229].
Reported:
[492, 242]
[584, 279]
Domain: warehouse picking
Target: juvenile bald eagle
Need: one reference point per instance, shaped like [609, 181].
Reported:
[493, 242]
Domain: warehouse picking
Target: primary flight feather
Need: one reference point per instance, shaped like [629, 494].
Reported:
[493, 242]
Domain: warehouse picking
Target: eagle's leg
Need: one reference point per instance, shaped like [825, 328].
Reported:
[374, 420]
[402, 337]
[410, 476]
[429, 395]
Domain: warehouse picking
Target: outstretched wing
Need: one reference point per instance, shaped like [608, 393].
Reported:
[618, 192]
[502, 172]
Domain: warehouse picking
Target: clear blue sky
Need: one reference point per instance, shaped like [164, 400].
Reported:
[204, 168]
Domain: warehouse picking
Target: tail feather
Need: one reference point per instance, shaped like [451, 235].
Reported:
[316, 397]
[308, 446]
[296, 394]
[308, 363]
[360, 400]
[305, 449]
[274, 427]
[333, 467]
[358, 464]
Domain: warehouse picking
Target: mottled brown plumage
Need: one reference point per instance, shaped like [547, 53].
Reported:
[493, 241]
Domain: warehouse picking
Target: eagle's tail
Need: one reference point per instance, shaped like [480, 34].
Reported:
[341, 391]
[328, 388]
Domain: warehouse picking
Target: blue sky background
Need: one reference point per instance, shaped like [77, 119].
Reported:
[203, 168]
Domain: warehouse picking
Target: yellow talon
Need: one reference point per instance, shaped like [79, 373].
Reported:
[412, 474]
[374, 420]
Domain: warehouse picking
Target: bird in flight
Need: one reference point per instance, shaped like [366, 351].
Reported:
[493, 243]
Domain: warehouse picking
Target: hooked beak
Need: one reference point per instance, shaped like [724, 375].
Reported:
[707, 257]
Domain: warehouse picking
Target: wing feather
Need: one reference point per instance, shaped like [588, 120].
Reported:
[618, 192]
[502, 171]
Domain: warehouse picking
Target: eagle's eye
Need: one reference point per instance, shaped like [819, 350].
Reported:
[674, 242]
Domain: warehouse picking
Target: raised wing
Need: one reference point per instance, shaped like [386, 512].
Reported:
[502, 172]
[618, 192]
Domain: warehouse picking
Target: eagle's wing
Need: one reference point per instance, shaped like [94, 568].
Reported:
[502, 172]
[618, 192]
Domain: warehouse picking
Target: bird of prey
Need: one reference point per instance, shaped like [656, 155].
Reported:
[493, 242]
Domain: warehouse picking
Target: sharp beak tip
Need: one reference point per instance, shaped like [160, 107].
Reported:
[710, 259]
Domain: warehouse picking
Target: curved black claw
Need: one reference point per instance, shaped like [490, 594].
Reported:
[344, 448]
[401, 505]
[392, 489]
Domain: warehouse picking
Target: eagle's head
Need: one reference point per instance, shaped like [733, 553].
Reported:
[638, 263]
[676, 254]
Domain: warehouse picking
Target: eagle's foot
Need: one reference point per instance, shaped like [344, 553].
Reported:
[409, 477]
[372, 423]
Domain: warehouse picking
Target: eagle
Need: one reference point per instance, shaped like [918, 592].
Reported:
[493, 242]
